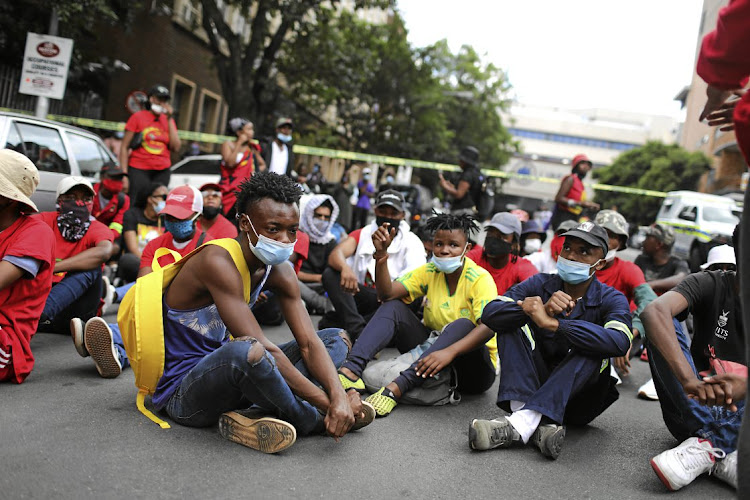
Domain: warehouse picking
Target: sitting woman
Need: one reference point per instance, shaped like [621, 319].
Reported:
[456, 291]
[316, 221]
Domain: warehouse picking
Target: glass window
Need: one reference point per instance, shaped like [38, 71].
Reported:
[87, 153]
[199, 166]
[14, 140]
[43, 146]
[719, 214]
[688, 213]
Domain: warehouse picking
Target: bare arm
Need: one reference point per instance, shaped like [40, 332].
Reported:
[174, 139]
[309, 277]
[562, 194]
[387, 289]
[86, 260]
[9, 274]
[433, 363]
[124, 149]
[337, 261]
[666, 284]
[229, 151]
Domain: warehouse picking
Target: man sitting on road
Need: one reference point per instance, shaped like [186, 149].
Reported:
[711, 370]
[350, 277]
[555, 335]
[110, 202]
[663, 271]
[211, 220]
[207, 376]
[26, 259]
[82, 246]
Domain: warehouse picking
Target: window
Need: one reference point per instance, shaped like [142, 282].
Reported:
[688, 213]
[87, 153]
[43, 146]
[199, 166]
[719, 214]
[208, 117]
[183, 93]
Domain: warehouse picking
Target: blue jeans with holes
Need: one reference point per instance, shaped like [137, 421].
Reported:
[225, 380]
[686, 417]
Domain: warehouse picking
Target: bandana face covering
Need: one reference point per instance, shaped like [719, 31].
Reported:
[73, 219]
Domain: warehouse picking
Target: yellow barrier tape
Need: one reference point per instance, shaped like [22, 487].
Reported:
[345, 155]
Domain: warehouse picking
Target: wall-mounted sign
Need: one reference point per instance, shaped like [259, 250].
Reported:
[45, 65]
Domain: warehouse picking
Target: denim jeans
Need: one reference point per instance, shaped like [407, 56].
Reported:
[225, 381]
[119, 345]
[686, 417]
[76, 296]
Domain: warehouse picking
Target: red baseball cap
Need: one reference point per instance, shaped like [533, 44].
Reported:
[209, 185]
[580, 158]
[183, 202]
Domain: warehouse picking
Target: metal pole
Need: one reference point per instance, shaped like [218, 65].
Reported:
[42, 103]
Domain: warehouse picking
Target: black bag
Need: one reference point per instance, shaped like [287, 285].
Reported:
[136, 141]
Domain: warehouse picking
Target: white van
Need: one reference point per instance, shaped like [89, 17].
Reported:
[700, 222]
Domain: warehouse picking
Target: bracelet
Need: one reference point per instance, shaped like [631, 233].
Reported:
[380, 257]
[572, 202]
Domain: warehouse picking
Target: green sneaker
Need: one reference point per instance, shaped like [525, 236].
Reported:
[383, 404]
[549, 439]
[358, 385]
[489, 434]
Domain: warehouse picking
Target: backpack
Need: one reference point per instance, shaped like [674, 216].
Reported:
[435, 391]
[141, 321]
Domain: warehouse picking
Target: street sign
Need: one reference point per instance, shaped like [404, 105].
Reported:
[45, 65]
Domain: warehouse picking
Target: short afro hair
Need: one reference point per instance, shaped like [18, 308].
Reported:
[449, 222]
[267, 185]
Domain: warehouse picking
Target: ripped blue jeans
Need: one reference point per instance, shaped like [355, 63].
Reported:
[225, 380]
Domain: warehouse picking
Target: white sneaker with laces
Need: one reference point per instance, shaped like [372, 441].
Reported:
[726, 469]
[648, 391]
[681, 465]
[76, 331]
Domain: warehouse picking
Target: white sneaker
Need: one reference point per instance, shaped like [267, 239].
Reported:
[648, 391]
[99, 343]
[613, 373]
[680, 466]
[108, 294]
[76, 331]
[726, 469]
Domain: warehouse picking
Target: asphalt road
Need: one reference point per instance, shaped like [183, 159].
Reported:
[67, 433]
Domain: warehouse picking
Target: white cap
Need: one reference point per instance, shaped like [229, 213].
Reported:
[723, 254]
[69, 183]
[366, 170]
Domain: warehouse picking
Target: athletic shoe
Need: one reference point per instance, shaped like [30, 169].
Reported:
[549, 439]
[648, 391]
[726, 469]
[266, 434]
[98, 340]
[383, 402]
[358, 385]
[108, 294]
[366, 419]
[613, 373]
[488, 434]
[76, 331]
[680, 466]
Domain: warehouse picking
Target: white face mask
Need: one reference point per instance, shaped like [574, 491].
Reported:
[158, 109]
[610, 255]
[532, 245]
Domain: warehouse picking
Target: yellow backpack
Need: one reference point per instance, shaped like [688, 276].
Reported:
[141, 321]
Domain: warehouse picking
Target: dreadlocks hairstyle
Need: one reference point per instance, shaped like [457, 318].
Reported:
[448, 222]
[266, 185]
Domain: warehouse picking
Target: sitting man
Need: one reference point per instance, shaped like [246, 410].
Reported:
[211, 220]
[663, 271]
[555, 335]
[350, 277]
[82, 246]
[499, 255]
[711, 370]
[110, 202]
[26, 258]
[207, 375]
[103, 342]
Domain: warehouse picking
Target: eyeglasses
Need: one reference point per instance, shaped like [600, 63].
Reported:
[207, 194]
[162, 196]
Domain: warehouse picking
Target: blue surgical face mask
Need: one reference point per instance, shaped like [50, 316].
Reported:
[573, 272]
[270, 252]
[449, 264]
[181, 230]
[284, 137]
[160, 206]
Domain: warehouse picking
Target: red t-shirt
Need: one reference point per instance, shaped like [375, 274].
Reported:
[154, 151]
[65, 249]
[576, 193]
[222, 228]
[512, 273]
[623, 276]
[22, 303]
[111, 215]
[166, 241]
[302, 249]
[231, 178]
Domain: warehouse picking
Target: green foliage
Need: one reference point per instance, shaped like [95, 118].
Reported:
[655, 166]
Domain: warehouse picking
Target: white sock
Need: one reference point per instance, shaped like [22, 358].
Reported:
[516, 405]
[525, 423]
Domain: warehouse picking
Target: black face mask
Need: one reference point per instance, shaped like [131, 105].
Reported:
[495, 247]
[211, 213]
[382, 220]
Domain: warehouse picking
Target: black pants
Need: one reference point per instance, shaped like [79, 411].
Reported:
[559, 216]
[140, 180]
[352, 311]
[127, 268]
[359, 217]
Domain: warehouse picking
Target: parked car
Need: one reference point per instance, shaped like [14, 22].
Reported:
[196, 171]
[700, 221]
[57, 149]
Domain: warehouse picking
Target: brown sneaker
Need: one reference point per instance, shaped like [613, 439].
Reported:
[368, 415]
[266, 434]
[97, 338]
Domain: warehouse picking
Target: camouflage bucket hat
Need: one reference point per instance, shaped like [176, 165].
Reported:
[615, 222]
[663, 233]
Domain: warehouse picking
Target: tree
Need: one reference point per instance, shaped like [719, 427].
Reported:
[655, 166]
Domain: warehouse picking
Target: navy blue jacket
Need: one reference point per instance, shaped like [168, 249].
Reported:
[599, 325]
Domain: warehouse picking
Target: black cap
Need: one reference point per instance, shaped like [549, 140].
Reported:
[592, 234]
[391, 197]
[159, 91]
[112, 169]
[469, 155]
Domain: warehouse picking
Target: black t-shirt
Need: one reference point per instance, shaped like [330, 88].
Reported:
[145, 228]
[471, 199]
[653, 272]
[317, 257]
[717, 317]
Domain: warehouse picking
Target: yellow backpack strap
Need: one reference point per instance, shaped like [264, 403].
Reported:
[140, 403]
[161, 252]
[235, 250]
